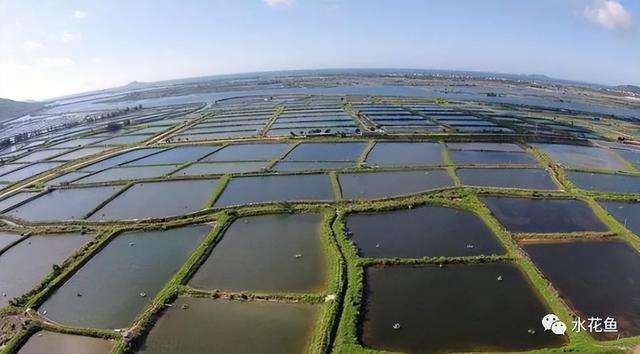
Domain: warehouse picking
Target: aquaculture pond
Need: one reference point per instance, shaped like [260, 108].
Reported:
[605, 182]
[66, 178]
[544, 215]
[58, 343]
[132, 268]
[286, 166]
[25, 264]
[632, 156]
[504, 147]
[596, 278]
[128, 173]
[19, 197]
[627, 214]
[158, 199]
[245, 190]
[29, 171]
[220, 168]
[248, 152]
[269, 253]
[7, 239]
[457, 308]
[326, 152]
[525, 178]
[121, 159]
[204, 325]
[430, 231]
[491, 158]
[405, 154]
[580, 156]
[390, 184]
[63, 204]
[177, 155]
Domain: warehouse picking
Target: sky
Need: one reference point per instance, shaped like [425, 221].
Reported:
[51, 48]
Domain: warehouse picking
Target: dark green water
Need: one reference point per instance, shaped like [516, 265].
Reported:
[258, 254]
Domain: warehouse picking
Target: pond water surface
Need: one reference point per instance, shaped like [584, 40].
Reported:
[220, 326]
[458, 308]
[598, 279]
[63, 204]
[405, 154]
[628, 214]
[390, 184]
[25, 265]
[526, 178]
[422, 232]
[111, 283]
[544, 215]
[58, 343]
[245, 190]
[605, 182]
[259, 254]
[158, 199]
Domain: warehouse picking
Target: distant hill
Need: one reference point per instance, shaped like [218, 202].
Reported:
[10, 109]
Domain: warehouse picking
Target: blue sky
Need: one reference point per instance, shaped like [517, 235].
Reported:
[51, 48]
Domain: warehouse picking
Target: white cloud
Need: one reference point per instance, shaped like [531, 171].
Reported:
[67, 37]
[79, 14]
[33, 45]
[53, 62]
[609, 14]
[280, 3]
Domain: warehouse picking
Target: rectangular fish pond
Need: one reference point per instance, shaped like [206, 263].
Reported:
[158, 199]
[260, 189]
[457, 308]
[615, 183]
[524, 178]
[131, 269]
[627, 214]
[377, 185]
[248, 152]
[544, 215]
[405, 154]
[491, 158]
[25, 264]
[268, 253]
[429, 231]
[326, 152]
[579, 156]
[58, 343]
[63, 204]
[596, 279]
[232, 327]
